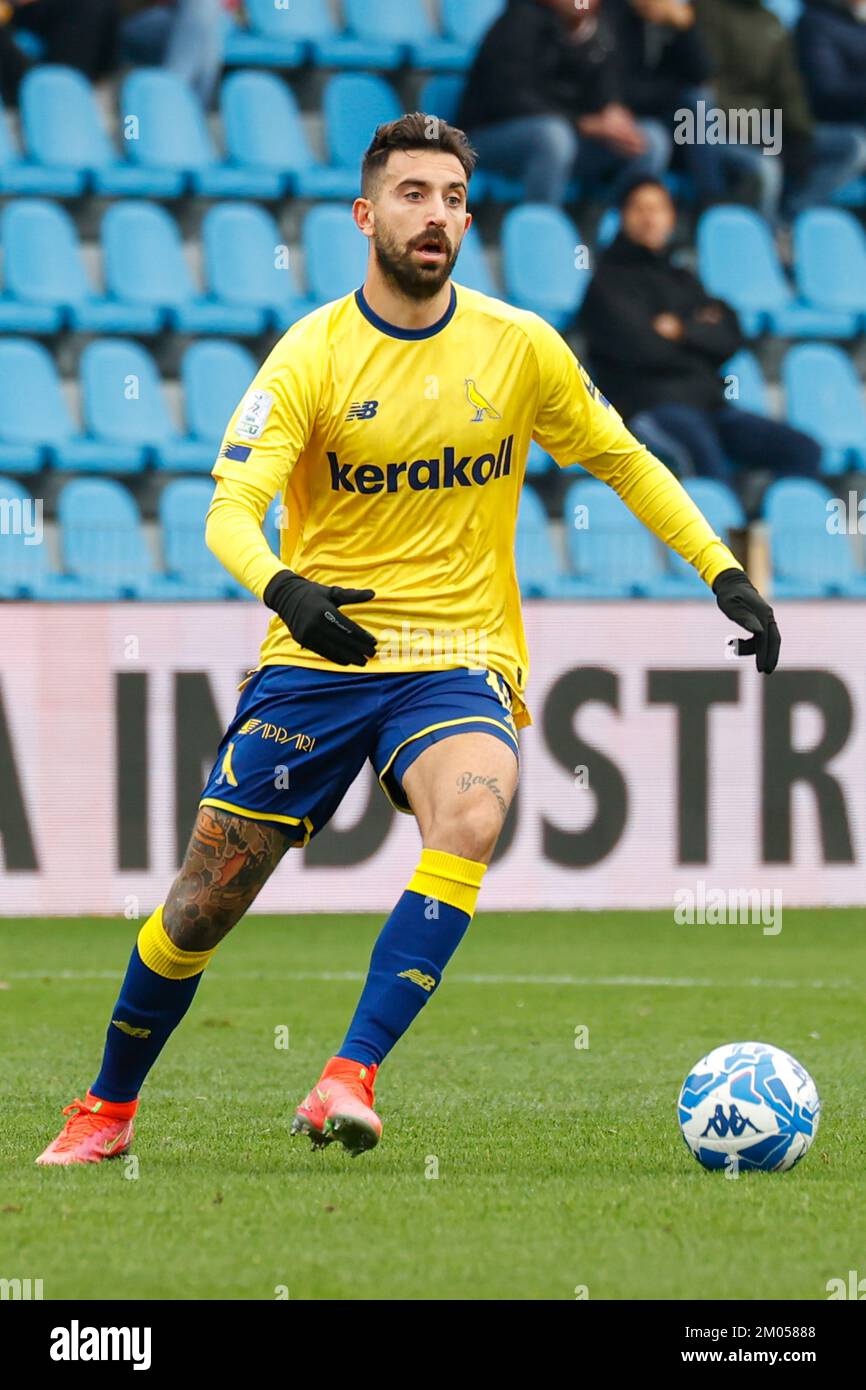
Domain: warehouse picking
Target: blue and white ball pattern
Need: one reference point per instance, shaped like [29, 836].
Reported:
[748, 1105]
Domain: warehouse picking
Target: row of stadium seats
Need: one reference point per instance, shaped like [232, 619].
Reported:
[104, 552]
[377, 34]
[610, 554]
[105, 555]
[167, 149]
[251, 283]
[128, 426]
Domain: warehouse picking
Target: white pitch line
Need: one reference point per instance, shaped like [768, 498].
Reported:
[356, 976]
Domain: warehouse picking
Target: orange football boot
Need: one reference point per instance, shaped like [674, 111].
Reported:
[90, 1134]
[340, 1106]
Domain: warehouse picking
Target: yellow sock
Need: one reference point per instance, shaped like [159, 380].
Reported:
[160, 954]
[448, 878]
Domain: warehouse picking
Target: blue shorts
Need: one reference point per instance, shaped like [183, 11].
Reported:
[300, 736]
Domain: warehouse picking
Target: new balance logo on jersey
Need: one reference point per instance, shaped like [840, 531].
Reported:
[422, 474]
[362, 410]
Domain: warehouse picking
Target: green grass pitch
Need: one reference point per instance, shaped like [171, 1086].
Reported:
[513, 1165]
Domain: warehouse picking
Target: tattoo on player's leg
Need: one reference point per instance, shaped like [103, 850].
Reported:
[469, 779]
[227, 862]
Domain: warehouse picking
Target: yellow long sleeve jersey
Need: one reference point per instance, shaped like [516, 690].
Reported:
[399, 457]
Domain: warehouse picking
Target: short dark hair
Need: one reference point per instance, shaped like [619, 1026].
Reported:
[642, 181]
[414, 131]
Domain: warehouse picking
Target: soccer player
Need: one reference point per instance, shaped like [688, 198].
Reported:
[395, 424]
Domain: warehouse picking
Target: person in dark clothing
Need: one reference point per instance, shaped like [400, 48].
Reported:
[757, 74]
[831, 46]
[656, 342]
[665, 68]
[80, 35]
[544, 102]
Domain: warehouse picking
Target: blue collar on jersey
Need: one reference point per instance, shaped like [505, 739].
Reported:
[394, 331]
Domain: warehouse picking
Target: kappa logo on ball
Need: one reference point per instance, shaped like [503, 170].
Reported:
[256, 408]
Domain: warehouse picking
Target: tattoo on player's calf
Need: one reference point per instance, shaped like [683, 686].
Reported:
[228, 860]
[470, 779]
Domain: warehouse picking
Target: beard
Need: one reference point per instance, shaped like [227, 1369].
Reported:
[413, 278]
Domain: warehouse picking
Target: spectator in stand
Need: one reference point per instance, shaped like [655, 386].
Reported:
[544, 102]
[665, 68]
[757, 70]
[185, 36]
[831, 42]
[656, 342]
[80, 35]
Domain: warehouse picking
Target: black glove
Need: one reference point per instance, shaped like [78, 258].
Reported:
[312, 614]
[740, 601]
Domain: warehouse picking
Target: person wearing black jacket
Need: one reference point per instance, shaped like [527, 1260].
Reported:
[656, 342]
[666, 70]
[831, 46]
[544, 102]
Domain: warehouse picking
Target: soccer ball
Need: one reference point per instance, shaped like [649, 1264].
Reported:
[748, 1105]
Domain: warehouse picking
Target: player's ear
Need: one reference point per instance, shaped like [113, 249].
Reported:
[468, 223]
[362, 212]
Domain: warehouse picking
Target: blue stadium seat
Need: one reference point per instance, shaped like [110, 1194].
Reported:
[242, 246]
[788, 11]
[852, 194]
[608, 227]
[830, 261]
[537, 461]
[354, 104]
[738, 262]
[36, 427]
[440, 96]
[825, 398]
[750, 383]
[538, 262]
[103, 542]
[145, 265]
[472, 268]
[183, 508]
[405, 25]
[18, 175]
[123, 403]
[467, 21]
[808, 559]
[723, 510]
[215, 377]
[25, 563]
[276, 38]
[335, 254]
[45, 271]
[611, 552]
[538, 573]
[264, 130]
[304, 30]
[65, 134]
[172, 133]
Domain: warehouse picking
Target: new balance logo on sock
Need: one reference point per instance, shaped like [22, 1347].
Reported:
[418, 978]
[128, 1028]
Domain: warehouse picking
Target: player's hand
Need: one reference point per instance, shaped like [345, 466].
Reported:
[312, 614]
[740, 601]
